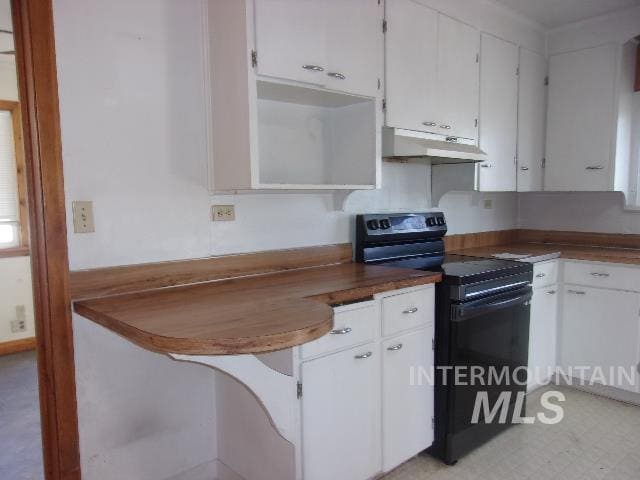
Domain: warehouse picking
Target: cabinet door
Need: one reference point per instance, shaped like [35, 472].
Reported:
[458, 78]
[355, 46]
[407, 409]
[600, 329]
[532, 115]
[580, 119]
[498, 114]
[411, 46]
[341, 415]
[542, 336]
[290, 39]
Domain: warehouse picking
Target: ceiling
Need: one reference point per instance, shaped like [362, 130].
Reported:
[554, 13]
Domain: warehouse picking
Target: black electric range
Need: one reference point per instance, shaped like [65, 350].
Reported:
[482, 320]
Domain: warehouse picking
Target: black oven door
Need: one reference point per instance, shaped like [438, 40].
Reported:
[489, 337]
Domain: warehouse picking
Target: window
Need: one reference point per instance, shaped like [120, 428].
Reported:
[12, 196]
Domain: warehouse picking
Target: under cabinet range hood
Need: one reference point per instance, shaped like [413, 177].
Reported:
[398, 143]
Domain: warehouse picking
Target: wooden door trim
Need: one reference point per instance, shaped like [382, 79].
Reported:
[37, 82]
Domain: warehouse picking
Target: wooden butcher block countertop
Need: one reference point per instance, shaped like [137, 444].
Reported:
[567, 251]
[252, 314]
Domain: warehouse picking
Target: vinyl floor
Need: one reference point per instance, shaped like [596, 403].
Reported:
[20, 440]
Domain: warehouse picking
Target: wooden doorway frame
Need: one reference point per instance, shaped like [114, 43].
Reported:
[38, 87]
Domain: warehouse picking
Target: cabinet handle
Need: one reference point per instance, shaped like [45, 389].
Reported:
[446, 127]
[595, 167]
[341, 331]
[429, 124]
[395, 348]
[638, 367]
[524, 169]
[451, 139]
[336, 75]
[551, 292]
[363, 356]
[598, 274]
[541, 275]
[411, 310]
[485, 165]
[576, 292]
[313, 68]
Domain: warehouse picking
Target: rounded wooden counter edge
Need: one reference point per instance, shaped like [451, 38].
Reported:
[217, 346]
[320, 306]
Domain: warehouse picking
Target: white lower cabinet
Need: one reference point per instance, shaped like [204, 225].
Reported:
[360, 413]
[543, 336]
[407, 407]
[601, 329]
[341, 415]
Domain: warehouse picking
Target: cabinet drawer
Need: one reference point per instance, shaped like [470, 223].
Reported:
[408, 310]
[545, 273]
[352, 324]
[602, 275]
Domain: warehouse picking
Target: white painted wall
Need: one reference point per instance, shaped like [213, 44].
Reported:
[132, 116]
[15, 290]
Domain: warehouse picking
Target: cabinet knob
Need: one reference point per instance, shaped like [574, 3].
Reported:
[395, 348]
[451, 139]
[341, 331]
[541, 275]
[363, 355]
[551, 292]
[336, 75]
[595, 167]
[411, 310]
[446, 127]
[429, 124]
[524, 169]
[313, 68]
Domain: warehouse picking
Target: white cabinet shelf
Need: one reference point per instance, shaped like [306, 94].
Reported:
[276, 121]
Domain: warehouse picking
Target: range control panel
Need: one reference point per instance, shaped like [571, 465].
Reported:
[401, 223]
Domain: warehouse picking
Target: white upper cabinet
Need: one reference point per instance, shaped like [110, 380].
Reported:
[498, 114]
[295, 102]
[411, 56]
[431, 71]
[532, 112]
[458, 78]
[333, 43]
[580, 124]
[291, 39]
[589, 125]
[355, 46]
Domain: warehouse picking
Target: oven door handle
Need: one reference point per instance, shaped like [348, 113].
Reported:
[463, 312]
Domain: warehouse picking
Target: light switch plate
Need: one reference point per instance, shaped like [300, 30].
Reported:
[223, 213]
[83, 221]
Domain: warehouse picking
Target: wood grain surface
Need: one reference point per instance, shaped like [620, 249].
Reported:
[245, 315]
[133, 278]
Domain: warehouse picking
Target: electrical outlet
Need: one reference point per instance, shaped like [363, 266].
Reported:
[223, 213]
[83, 221]
[488, 204]
[18, 326]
